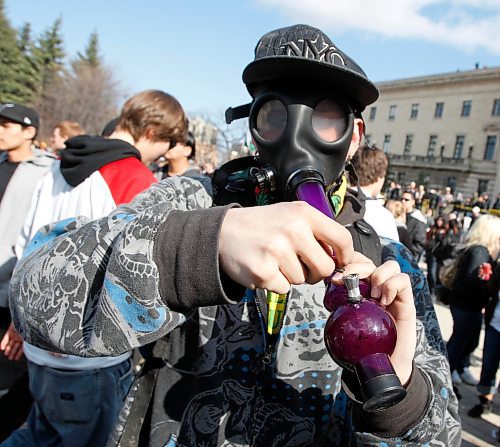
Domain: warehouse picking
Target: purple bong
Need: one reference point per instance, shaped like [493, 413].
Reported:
[360, 334]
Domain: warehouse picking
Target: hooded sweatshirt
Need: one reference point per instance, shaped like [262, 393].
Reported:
[93, 177]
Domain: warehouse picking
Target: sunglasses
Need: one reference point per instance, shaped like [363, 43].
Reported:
[405, 200]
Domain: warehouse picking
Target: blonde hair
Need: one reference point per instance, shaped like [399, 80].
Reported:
[69, 129]
[485, 231]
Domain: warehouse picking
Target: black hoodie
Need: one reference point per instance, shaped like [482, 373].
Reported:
[85, 154]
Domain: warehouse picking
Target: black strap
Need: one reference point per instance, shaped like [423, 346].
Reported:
[140, 395]
[133, 425]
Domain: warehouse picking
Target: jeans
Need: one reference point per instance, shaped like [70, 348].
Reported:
[491, 360]
[73, 408]
[464, 338]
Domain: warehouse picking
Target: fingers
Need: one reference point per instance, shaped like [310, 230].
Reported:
[13, 350]
[360, 264]
[394, 290]
[274, 246]
[380, 276]
[332, 234]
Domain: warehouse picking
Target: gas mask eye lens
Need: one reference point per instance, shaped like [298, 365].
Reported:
[329, 120]
[271, 120]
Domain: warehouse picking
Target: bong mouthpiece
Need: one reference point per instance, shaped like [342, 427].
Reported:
[352, 285]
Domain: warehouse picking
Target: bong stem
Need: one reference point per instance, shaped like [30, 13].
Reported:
[314, 194]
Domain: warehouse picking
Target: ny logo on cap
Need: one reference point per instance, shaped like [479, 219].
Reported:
[309, 49]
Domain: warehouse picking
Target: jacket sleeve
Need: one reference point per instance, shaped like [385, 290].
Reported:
[92, 288]
[429, 412]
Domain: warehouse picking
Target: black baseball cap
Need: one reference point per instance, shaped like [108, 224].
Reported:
[20, 114]
[303, 53]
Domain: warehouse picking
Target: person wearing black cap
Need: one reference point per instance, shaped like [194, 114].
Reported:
[21, 166]
[194, 280]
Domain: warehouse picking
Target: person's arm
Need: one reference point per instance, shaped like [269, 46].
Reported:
[429, 412]
[467, 276]
[104, 287]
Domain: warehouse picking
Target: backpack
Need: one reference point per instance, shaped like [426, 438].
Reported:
[448, 272]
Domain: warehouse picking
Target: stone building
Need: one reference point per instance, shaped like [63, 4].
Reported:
[441, 130]
[205, 135]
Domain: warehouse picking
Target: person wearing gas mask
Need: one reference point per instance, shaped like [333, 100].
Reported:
[189, 281]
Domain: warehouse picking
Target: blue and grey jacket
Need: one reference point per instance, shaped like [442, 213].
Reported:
[150, 271]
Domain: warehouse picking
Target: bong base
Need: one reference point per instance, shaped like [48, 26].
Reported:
[382, 392]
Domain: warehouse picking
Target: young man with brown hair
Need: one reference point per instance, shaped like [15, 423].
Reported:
[77, 399]
[370, 167]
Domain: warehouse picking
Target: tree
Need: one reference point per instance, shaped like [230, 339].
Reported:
[91, 54]
[14, 68]
[88, 92]
[24, 41]
[31, 71]
[49, 53]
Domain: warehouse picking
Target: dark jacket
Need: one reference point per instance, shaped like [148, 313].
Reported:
[469, 291]
[417, 230]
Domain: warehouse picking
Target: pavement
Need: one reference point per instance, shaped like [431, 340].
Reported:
[481, 431]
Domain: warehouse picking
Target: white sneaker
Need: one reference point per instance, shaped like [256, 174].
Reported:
[468, 378]
[455, 378]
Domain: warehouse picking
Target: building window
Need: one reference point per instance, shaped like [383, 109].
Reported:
[414, 111]
[408, 143]
[431, 149]
[466, 107]
[392, 112]
[373, 113]
[489, 150]
[438, 113]
[458, 152]
[387, 143]
[496, 108]
[482, 186]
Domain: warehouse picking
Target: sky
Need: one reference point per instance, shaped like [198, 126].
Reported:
[197, 50]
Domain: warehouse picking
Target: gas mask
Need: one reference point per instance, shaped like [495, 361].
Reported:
[300, 136]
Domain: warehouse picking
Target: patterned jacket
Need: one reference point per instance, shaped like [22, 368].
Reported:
[150, 271]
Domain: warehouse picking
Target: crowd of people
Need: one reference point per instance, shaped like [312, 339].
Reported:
[441, 228]
[135, 301]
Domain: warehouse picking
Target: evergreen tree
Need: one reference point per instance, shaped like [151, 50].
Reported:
[49, 54]
[91, 54]
[31, 69]
[24, 39]
[14, 68]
